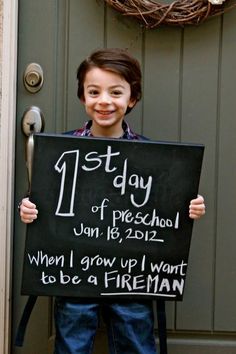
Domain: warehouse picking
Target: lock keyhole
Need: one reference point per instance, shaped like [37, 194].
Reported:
[33, 78]
[31, 127]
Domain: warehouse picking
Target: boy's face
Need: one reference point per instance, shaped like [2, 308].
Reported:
[106, 98]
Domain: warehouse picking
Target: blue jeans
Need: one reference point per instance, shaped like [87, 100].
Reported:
[129, 326]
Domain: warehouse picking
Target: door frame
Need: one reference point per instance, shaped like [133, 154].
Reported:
[7, 156]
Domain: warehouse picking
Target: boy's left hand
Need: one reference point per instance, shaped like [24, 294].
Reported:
[197, 208]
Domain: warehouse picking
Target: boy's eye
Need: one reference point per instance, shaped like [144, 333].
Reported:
[116, 93]
[93, 92]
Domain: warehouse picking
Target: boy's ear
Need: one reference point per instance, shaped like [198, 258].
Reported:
[82, 100]
[132, 103]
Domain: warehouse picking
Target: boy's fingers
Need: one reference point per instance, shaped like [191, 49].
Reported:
[197, 208]
[197, 201]
[28, 204]
[27, 220]
[28, 211]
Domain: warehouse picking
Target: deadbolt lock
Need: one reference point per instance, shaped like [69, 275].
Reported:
[33, 77]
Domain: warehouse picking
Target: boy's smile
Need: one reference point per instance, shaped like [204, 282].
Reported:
[106, 99]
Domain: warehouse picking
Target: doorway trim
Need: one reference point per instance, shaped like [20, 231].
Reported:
[7, 164]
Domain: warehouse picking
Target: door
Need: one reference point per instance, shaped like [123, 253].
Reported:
[189, 81]
[57, 35]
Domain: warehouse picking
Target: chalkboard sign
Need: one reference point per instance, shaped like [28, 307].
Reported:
[113, 217]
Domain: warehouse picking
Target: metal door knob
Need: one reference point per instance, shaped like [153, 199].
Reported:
[32, 121]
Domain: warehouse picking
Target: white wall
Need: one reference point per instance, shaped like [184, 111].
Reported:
[8, 56]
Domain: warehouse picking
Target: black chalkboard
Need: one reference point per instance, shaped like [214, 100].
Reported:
[113, 217]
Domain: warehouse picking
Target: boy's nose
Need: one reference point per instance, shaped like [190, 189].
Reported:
[104, 98]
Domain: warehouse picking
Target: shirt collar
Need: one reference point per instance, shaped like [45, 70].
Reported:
[86, 131]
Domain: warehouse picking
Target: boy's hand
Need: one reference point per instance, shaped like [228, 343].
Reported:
[197, 208]
[28, 211]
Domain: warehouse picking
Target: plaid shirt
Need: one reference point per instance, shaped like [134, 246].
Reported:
[86, 131]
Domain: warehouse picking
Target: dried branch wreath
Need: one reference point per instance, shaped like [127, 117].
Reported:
[179, 13]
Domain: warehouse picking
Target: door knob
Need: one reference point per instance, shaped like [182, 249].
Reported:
[32, 121]
[33, 77]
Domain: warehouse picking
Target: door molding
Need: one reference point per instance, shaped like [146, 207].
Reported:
[7, 155]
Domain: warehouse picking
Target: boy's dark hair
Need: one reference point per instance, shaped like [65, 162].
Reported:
[118, 61]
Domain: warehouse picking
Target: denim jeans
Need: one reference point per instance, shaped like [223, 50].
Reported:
[129, 326]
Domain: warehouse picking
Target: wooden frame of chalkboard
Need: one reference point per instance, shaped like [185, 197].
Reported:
[113, 217]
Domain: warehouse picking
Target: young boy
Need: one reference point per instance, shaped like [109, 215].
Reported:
[109, 86]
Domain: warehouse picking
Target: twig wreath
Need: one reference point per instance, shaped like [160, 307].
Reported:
[179, 13]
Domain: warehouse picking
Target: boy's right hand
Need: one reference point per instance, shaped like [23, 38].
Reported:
[28, 211]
